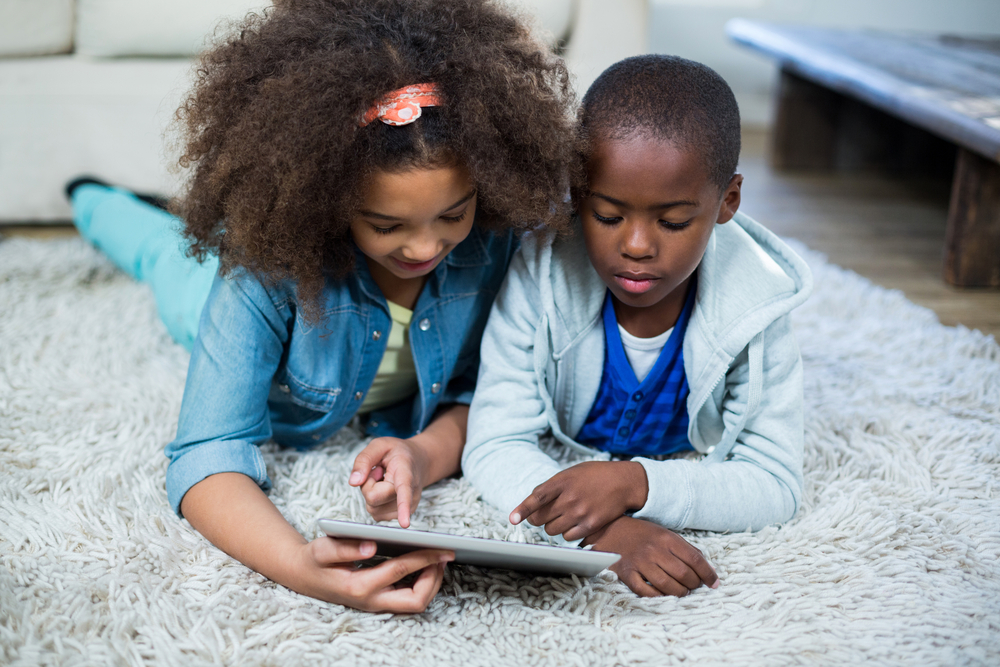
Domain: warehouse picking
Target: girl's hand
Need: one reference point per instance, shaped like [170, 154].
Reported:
[655, 561]
[326, 570]
[584, 498]
[391, 473]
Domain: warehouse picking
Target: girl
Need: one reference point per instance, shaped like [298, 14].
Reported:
[358, 168]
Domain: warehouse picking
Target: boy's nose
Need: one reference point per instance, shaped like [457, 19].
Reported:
[636, 241]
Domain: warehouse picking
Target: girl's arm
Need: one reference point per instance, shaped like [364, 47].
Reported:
[392, 472]
[217, 475]
[235, 515]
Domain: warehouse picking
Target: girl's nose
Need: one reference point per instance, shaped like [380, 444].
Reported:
[422, 249]
[636, 241]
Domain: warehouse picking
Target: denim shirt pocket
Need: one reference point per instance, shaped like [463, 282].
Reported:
[318, 399]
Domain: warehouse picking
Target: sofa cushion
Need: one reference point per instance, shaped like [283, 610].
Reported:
[63, 116]
[153, 27]
[35, 27]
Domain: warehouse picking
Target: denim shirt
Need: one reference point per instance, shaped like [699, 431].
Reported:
[259, 370]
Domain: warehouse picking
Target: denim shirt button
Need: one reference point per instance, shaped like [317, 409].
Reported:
[316, 436]
[425, 324]
[284, 388]
[358, 395]
[376, 335]
[436, 387]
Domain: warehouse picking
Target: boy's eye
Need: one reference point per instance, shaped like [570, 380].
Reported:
[675, 225]
[603, 219]
[384, 230]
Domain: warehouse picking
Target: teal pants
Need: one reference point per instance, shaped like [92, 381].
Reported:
[146, 243]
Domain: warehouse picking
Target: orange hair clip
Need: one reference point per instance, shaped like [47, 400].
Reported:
[403, 106]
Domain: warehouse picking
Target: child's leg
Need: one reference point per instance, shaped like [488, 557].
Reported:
[146, 243]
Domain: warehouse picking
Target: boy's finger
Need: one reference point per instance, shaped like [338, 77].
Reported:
[681, 572]
[538, 499]
[664, 582]
[696, 561]
[367, 459]
[638, 584]
[557, 524]
[333, 551]
[579, 531]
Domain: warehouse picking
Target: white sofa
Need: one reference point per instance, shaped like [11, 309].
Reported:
[89, 86]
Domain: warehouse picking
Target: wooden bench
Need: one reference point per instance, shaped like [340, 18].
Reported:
[852, 98]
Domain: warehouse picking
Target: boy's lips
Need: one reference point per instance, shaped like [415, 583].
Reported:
[636, 283]
[415, 266]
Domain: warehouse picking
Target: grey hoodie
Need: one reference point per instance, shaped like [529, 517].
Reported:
[542, 358]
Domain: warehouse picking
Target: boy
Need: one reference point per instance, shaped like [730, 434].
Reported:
[654, 329]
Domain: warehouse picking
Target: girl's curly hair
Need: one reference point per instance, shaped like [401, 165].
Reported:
[277, 160]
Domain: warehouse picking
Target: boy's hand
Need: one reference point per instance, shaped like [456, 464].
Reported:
[584, 498]
[655, 561]
[326, 570]
[391, 473]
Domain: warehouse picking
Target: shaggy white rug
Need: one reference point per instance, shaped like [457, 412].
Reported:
[893, 559]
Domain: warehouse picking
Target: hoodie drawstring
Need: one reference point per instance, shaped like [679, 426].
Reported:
[719, 452]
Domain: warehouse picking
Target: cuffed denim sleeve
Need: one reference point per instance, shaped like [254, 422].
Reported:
[224, 415]
[196, 463]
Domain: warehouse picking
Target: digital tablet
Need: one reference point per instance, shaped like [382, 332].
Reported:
[474, 550]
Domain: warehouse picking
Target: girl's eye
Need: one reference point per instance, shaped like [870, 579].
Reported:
[455, 218]
[675, 225]
[384, 230]
[604, 220]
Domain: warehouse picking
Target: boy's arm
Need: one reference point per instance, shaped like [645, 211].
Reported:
[234, 514]
[762, 482]
[501, 458]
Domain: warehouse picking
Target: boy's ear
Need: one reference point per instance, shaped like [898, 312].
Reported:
[730, 200]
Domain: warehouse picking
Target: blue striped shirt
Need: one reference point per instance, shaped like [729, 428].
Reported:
[647, 418]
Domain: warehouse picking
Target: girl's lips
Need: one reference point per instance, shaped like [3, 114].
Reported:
[415, 267]
[637, 285]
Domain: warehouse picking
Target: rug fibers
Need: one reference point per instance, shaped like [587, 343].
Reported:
[894, 557]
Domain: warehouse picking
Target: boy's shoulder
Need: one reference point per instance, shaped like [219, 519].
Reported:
[748, 278]
[743, 250]
[555, 273]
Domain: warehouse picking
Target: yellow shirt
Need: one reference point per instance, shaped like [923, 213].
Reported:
[396, 378]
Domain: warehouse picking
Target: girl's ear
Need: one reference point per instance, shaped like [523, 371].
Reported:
[730, 200]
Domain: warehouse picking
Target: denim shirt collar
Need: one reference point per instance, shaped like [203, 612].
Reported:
[471, 252]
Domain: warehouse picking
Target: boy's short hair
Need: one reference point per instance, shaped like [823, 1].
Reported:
[671, 99]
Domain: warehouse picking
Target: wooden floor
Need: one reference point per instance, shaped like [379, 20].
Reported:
[890, 230]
